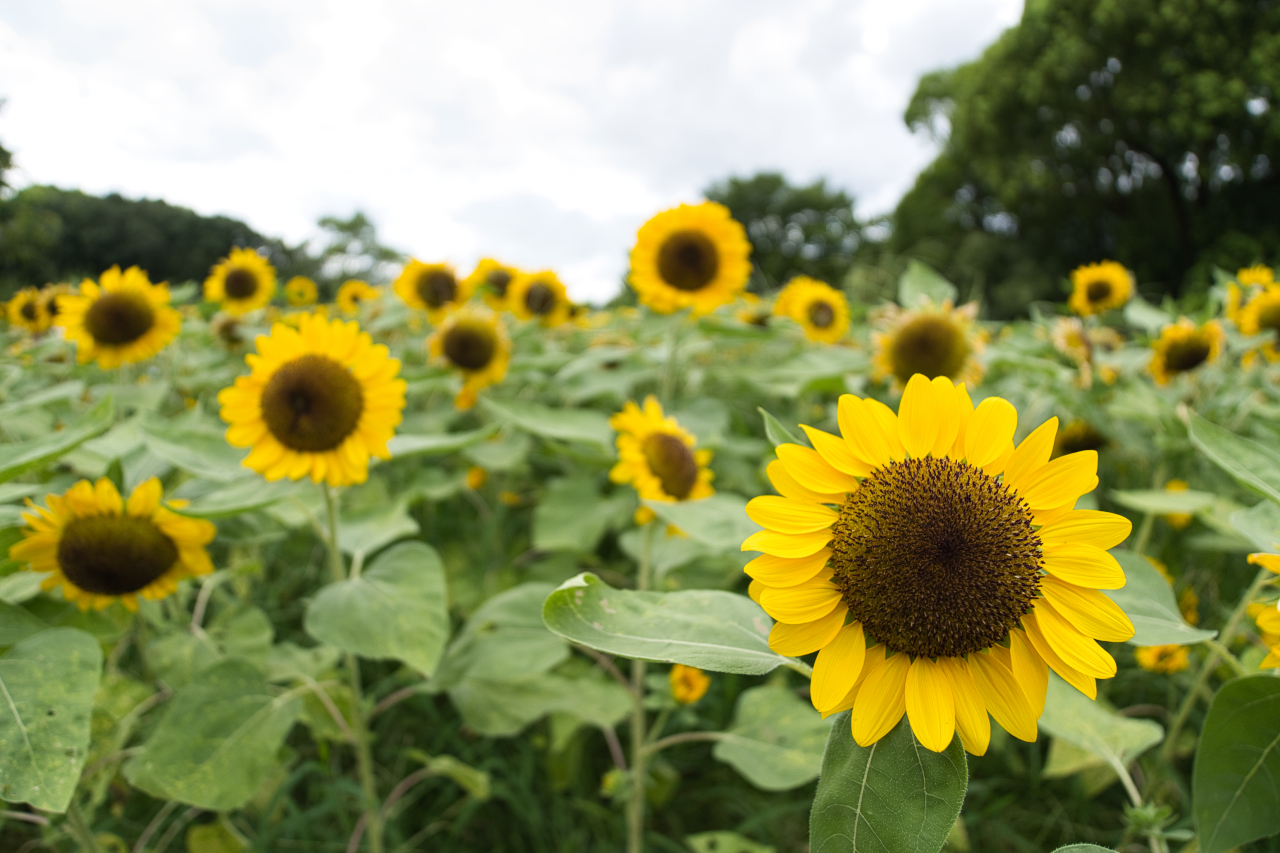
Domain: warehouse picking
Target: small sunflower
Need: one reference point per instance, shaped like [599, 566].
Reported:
[122, 319]
[27, 310]
[937, 569]
[1162, 659]
[657, 457]
[754, 311]
[474, 341]
[353, 293]
[819, 308]
[433, 288]
[1183, 346]
[692, 256]
[301, 291]
[1097, 288]
[319, 401]
[1177, 520]
[539, 296]
[50, 297]
[491, 279]
[688, 683]
[935, 340]
[243, 281]
[1260, 315]
[101, 549]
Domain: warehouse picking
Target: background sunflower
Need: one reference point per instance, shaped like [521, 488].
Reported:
[491, 279]
[433, 288]
[121, 319]
[1183, 346]
[820, 309]
[474, 341]
[933, 340]
[241, 282]
[539, 296]
[1097, 288]
[27, 310]
[300, 291]
[353, 293]
[656, 456]
[692, 256]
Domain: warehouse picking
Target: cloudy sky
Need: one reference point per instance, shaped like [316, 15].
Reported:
[543, 133]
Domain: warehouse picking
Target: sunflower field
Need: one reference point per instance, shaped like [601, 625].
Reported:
[456, 564]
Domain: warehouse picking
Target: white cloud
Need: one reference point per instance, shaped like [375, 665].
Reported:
[540, 133]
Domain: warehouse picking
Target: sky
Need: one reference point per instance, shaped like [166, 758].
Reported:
[540, 133]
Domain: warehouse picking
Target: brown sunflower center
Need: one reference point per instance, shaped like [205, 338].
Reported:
[935, 558]
[672, 462]
[1187, 354]
[28, 310]
[119, 318]
[437, 288]
[688, 260]
[51, 306]
[821, 314]
[931, 344]
[241, 283]
[499, 280]
[1098, 291]
[540, 299]
[1269, 317]
[312, 403]
[469, 346]
[114, 554]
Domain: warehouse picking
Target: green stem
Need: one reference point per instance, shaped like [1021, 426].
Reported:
[669, 371]
[639, 755]
[1144, 533]
[1225, 654]
[79, 829]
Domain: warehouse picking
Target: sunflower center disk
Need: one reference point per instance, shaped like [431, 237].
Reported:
[1187, 354]
[28, 310]
[240, 283]
[688, 260]
[114, 554]
[932, 345]
[437, 288]
[821, 314]
[312, 404]
[470, 347]
[540, 299]
[1269, 318]
[1097, 291]
[935, 558]
[499, 280]
[119, 318]
[672, 462]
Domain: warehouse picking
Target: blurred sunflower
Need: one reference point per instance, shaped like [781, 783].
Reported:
[491, 279]
[1097, 288]
[100, 549]
[1249, 280]
[50, 296]
[657, 457]
[122, 319]
[819, 308]
[319, 401]
[539, 296]
[754, 311]
[932, 340]
[353, 293]
[473, 340]
[1077, 436]
[1177, 520]
[692, 256]
[1260, 315]
[688, 683]
[301, 291]
[1183, 346]
[1268, 618]
[938, 570]
[242, 282]
[1163, 659]
[28, 311]
[434, 288]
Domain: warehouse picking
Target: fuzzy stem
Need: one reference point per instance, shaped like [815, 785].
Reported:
[80, 831]
[635, 805]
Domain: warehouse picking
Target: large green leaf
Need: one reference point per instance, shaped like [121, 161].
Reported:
[195, 447]
[719, 521]
[1260, 525]
[218, 739]
[894, 796]
[714, 630]
[48, 681]
[361, 535]
[1253, 464]
[563, 424]
[1074, 717]
[572, 514]
[725, 842]
[17, 623]
[776, 740]
[397, 608]
[1083, 848]
[1235, 787]
[504, 640]
[403, 445]
[1162, 502]
[236, 497]
[501, 708]
[23, 456]
[921, 283]
[1147, 599]
[61, 391]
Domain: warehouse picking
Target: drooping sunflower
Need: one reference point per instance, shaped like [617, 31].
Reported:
[353, 293]
[473, 340]
[433, 288]
[319, 401]
[491, 279]
[1183, 346]
[1260, 315]
[936, 340]
[241, 282]
[301, 291]
[1097, 288]
[820, 309]
[101, 549]
[692, 256]
[657, 457]
[121, 319]
[539, 296]
[27, 311]
[937, 569]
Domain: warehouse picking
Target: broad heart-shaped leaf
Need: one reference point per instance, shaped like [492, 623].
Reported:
[1074, 717]
[894, 796]
[17, 623]
[563, 424]
[397, 608]
[922, 283]
[1161, 502]
[1147, 599]
[1235, 785]
[217, 740]
[1260, 525]
[709, 629]
[361, 535]
[1253, 464]
[23, 456]
[720, 521]
[504, 640]
[573, 515]
[48, 681]
[777, 739]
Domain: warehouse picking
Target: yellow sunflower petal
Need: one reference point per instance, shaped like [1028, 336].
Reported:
[801, 603]
[918, 417]
[1030, 670]
[1061, 481]
[1083, 565]
[1084, 683]
[755, 589]
[1087, 527]
[1032, 453]
[812, 471]
[784, 571]
[145, 498]
[989, 431]
[871, 430]
[836, 452]
[1003, 697]
[972, 722]
[796, 640]
[1270, 562]
[108, 497]
[1091, 612]
[1076, 648]
[787, 545]
[790, 487]
[837, 667]
[788, 516]
[881, 700]
[930, 704]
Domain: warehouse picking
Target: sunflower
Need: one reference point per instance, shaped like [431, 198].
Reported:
[50, 296]
[754, 311]
[1260, 315]
[473, 340]
[353, 293]
[539, 296]
[819, 308]
[100, 549]
[937, 569]
[319, 401]
[657, 457]
[692, 256]
[936, 340]
[301, 291]
[242, 282]
[122, 319]
[1162, 659]
[27, 310]
[1077, 436]
[1177, 520]
[1097, 288]
[432, 287]
[491, 279]
[1183, 346]
[688, 683]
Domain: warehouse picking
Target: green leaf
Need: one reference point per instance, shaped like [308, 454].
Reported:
[776, 432]
[1083, 848]
[218, 739]
[23, 456]
[61, 391]
[1260, 525]
[236, 498]
[1161, 502]
[776, 740]
[504, 640]
[725, 842]
[1147, 599]
[1141, 313]
[503, 708]
[397, 608]
[709, 629]
[402, 445]
[1074, 717]
[1237, 764]
[16, 624]
[197, 448]
[572, 514]
[720, 521]
[894, 796]
[474, 782]
[1253, 464]
[48, 681]
[212, 838]
[361, 535]
[921, 283]
[563, 424]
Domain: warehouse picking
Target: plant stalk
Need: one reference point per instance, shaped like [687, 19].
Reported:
[79, 829]
[639, 755]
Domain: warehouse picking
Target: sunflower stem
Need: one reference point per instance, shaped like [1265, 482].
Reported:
[669, 373]
[79, 829]
[639, 754]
